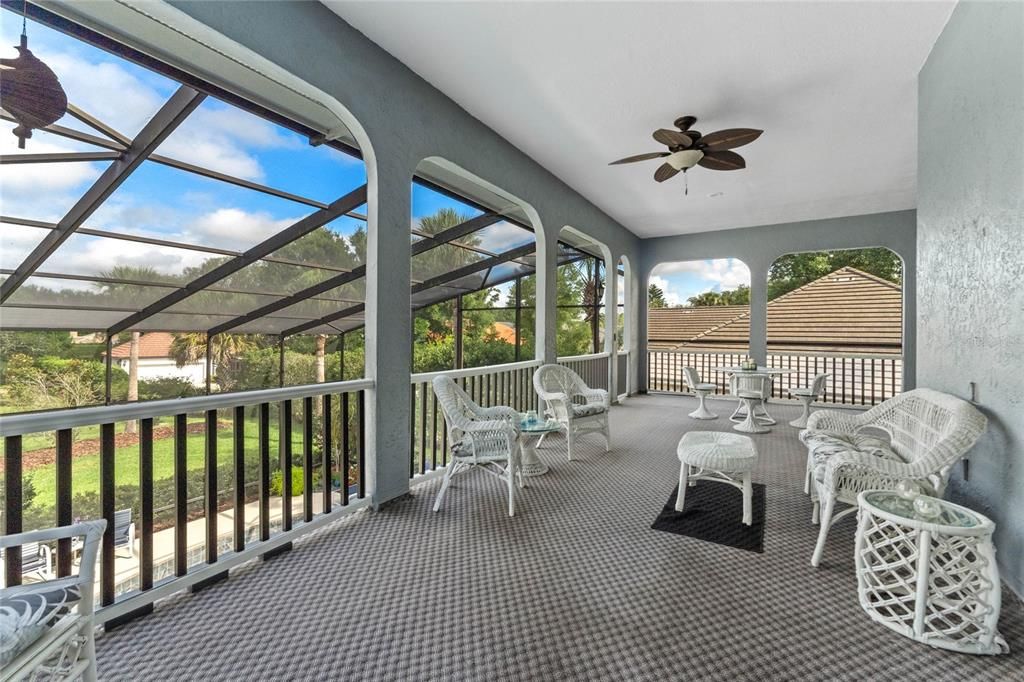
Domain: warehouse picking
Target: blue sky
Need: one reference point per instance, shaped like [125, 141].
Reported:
[684, 279]
[156, 200]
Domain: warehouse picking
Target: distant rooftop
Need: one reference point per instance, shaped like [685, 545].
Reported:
[847, 311]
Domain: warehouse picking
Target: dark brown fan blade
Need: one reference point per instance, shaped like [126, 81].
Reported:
[664, 172]
[730, 139]
[722, 160]
[640, 157]
[672, 138]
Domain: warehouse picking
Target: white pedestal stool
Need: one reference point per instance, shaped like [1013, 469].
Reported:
[702, 390]
[717, 456]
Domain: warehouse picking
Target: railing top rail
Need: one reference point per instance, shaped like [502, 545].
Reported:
[578, 358]
[474, 371]
[36, 422]
[821, 354]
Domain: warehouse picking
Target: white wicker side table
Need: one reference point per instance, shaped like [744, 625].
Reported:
[929, 572]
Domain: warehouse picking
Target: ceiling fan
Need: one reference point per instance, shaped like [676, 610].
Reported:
[688, 148]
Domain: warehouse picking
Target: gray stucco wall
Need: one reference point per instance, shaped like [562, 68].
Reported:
[970, 256]
[758, 247]
[406, 120]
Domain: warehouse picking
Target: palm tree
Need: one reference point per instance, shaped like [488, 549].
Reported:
[191, 347]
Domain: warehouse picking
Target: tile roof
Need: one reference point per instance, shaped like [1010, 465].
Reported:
[845, 311]
[151, 345]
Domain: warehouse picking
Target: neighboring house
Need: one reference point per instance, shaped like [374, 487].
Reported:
[504, 331]
[155, 361]
[847, 311]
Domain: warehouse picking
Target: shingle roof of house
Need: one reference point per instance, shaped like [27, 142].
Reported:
[151, 345]
[845, 311]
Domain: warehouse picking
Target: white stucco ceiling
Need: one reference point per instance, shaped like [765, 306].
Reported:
[576, 85]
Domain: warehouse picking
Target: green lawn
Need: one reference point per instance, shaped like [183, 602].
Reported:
[85, 470]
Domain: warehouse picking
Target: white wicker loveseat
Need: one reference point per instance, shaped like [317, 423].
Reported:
[916, 436]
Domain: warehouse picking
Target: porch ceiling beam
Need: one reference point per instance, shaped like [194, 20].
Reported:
[314, 220]
[72, 134]
[456, 232]
[422, 246]
[182, 103]
[298, 297]
[313, 324]
[58, 157]
[96, 124]
[230, 179]
[449, 298]
[472, 268]
[141, 239]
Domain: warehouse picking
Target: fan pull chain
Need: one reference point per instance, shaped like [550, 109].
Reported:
[686, 185]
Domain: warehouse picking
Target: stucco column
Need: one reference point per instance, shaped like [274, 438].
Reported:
[547, 297]
[643, 278]
[388, 329]
[758, 312]
[611, 318]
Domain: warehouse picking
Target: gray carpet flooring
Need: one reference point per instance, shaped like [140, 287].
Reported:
[575, 587]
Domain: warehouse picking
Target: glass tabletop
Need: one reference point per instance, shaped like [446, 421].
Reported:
[537, 425]
[922, 508]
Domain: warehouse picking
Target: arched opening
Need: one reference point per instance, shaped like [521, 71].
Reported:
[171, 238]
[698, 316]
[838, 312]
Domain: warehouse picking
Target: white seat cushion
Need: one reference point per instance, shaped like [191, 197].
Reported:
[705, 387]
[588, 410]
[26, 612]
[800, 391]
[823, 444]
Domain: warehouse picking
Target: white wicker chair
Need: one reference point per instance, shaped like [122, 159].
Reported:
[807, 395]
[557, 386]
[928, 432]
[485, 437]
[702, 390]
[751, 381]
[46, 628]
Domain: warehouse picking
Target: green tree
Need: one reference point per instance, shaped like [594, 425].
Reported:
[797, 269]
[656, 297]
[738, 296]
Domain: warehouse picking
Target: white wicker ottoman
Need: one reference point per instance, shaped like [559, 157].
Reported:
[717, 456]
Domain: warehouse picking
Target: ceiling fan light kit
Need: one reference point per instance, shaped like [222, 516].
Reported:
[688, 148]
[684, 160]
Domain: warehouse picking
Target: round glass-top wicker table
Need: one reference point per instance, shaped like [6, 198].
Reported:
[530, 434]
[926, 568]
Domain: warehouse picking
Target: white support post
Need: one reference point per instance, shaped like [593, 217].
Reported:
[547, 297]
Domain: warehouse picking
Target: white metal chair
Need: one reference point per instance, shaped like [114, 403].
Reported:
[702, 390]
[46, 628]
[752, 391]
[557, 386]
[928, 432]
[807, 395]
[485, 437]
[124, 531]
[751, 383]
[36, 561]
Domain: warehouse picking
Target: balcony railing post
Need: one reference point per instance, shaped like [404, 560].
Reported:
[107, 510]
[180, 494]
[210, 506]
[326, 452]
[64, 453]
[146, 502]
[12, 507]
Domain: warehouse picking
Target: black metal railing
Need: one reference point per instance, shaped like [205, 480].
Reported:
[510, 384]
[853, 379]
[320, 434]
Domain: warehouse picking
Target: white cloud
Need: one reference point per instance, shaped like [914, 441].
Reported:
[672, 295]
[722, 274]
[233, 228]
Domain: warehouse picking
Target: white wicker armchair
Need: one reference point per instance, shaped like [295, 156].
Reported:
[916, 436]
[557, 386]
[485, 437]
[46, 628]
